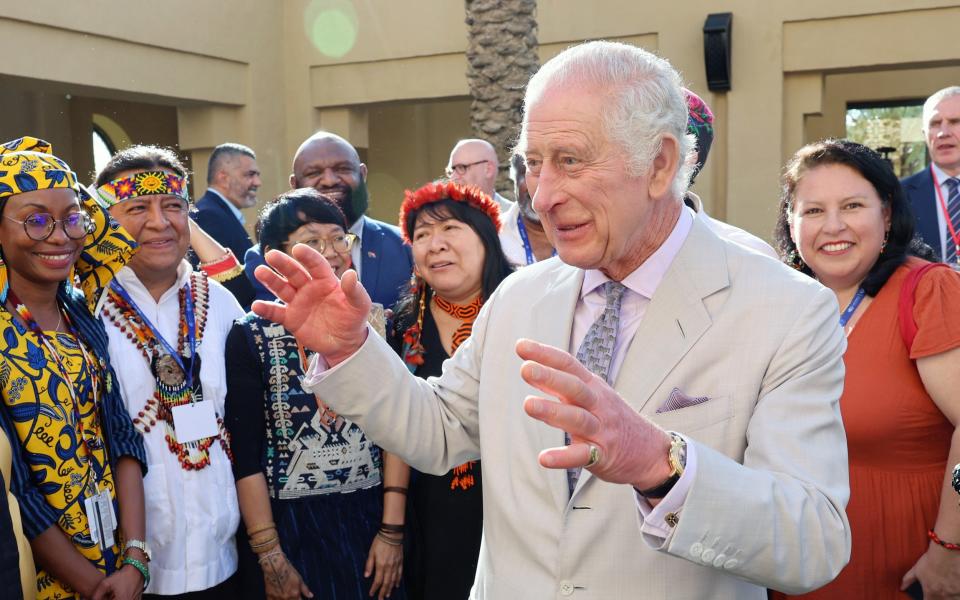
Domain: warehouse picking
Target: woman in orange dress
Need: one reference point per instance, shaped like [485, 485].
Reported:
[844, 220]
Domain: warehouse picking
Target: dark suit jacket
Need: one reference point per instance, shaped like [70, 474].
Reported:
[385, 263]
[923, 201]
[214, 216]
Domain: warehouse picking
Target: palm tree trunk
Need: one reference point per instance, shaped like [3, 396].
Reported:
[501, 57]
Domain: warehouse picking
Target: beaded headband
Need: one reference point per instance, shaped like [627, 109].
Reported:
[144, 183]
[437, 191]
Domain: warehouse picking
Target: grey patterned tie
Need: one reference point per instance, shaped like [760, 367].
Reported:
[953, 209]
[596, 349]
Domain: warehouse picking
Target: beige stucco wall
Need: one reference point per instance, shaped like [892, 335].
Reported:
[390, 76]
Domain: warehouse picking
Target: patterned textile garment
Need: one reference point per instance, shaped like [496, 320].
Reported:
[323, 475]
[51, 466]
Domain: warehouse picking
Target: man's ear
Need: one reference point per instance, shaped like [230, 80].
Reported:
[663, 169]
[293, 181]
[363, 171]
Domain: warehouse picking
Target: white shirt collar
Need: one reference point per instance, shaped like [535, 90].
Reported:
[645, 279]
[129, 280]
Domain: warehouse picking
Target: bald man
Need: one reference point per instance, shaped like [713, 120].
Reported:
[330, 164]
[474, 162]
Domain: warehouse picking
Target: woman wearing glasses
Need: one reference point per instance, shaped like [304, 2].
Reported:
[314, 491]
[77, 460]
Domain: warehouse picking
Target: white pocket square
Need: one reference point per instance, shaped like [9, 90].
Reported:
[678, 400]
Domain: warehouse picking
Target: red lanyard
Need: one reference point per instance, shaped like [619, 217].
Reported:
[946, 213]
[34, 327]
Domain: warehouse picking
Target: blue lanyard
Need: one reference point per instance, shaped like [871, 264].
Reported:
[526, 241]
[852, 307]
[191, 328]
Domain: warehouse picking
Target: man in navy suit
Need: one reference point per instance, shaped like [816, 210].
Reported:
[331, 165]
[934, 192]
[233, 179]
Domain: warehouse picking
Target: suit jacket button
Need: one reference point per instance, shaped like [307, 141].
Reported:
[708, 555]
[566, 588]
[696, 549]
[731, 564]
[718, 561]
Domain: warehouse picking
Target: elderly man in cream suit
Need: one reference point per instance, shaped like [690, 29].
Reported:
[712, 465]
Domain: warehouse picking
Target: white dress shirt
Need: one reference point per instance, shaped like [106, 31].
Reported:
[510, 239]
[191, 516]
[641, 284]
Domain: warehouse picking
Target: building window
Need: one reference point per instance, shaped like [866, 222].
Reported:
[103, 149]
[893, 129]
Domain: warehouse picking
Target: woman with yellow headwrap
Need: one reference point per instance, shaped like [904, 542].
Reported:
[77, 460]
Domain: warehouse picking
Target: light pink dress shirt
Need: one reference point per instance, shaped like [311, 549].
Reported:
[641, 284]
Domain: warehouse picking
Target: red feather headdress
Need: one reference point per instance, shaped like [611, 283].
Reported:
[437, 191]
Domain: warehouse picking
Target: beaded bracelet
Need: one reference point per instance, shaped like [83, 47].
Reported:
[388, 540]
[391, 528]
[265, 545]
[933, 536]
[136, 564]
[252, 531]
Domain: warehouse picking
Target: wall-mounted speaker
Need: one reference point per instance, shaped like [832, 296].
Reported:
[716, 50]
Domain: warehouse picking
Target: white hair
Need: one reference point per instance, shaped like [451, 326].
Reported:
[931, 104]
[647, 101]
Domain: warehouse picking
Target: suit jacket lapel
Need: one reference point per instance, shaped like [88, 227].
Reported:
[675, 319]
[925, 207]
[370, 259]
[553, 323]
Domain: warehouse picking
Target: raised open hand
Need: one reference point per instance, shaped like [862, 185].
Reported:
[629, 448]
[325, 314]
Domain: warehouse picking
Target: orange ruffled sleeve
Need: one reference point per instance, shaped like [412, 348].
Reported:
[936, 310]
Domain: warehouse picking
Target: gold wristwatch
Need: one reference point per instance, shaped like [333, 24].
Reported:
[677, 458]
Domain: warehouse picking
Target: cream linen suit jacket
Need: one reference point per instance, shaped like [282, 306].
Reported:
[766, 508]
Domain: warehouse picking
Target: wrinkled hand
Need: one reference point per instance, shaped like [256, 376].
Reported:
[633, 450]
[281, 580]
[385, 564]
[124, 584]
[325, 314]
[938, 571]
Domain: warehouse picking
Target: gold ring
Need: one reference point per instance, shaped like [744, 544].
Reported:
[594, 457]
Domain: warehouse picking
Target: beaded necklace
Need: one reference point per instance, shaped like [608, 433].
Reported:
[174, 386]
[464, 312]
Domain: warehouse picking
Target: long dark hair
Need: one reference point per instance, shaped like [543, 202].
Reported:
[872, 167]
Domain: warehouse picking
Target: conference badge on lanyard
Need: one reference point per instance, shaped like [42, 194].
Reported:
[100, 515]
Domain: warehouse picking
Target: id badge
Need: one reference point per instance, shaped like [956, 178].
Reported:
[102, 520]
[194, 421]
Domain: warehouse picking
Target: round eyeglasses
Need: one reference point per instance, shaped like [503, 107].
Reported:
[40, 226]
[339, 243]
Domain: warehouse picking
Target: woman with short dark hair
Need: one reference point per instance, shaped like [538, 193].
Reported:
[317, 496]
[844, 220]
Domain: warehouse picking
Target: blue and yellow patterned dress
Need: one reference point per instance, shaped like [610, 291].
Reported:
[51, 467]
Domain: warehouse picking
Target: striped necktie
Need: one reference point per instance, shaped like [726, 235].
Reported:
[953, 210]
[596, 349]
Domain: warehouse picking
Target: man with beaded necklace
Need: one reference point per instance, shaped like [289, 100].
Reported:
[167, 327]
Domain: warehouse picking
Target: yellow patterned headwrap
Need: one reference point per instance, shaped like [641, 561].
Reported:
[27, 164]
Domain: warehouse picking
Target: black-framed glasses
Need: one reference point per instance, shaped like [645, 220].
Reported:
[40, 226]
[462, 168]
[339, 243]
